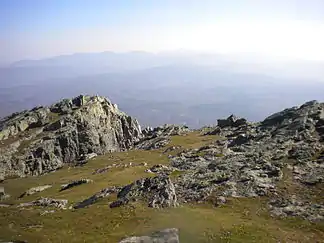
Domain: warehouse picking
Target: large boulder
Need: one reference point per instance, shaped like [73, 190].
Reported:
[231, 121]
[159, 191]
[65, 132]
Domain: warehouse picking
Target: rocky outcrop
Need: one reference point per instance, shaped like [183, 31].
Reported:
[34, 190]
[163, 236]
[65, 132]
[231, 121]
[158, 191]
[250, 160]
[153, 143]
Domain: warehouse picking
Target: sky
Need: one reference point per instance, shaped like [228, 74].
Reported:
[34, 29]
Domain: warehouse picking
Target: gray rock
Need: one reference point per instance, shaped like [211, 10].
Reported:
[2, 205]
[163, 236]
[159, 191]
[75, 183]
[34, 190]
[69, 131]
[161, 169]
[220, 201]
[3, 195]
[172, 148]
[160, 136]
[284, 207]
[309, 173]
[231, 121]
[153, 143]
[46, 202]
[166, 130]
[253, 158]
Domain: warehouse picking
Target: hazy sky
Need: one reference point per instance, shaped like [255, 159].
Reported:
[41, 28]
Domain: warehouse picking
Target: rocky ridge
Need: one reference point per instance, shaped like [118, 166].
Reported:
[45, 138]
[251, 159]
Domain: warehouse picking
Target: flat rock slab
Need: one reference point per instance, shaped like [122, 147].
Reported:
[46, 202]
[34, 190]
[163, 236]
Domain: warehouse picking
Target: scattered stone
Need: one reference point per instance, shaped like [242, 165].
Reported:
[46, 202]
[159, 191]
[220, 201]
[3, 195]
[96, 197]
[163, 236]
[34, 190]
[101, 170]
[160, 136]
[166, 130]
[170, 149]
[84, 159]
[284, 207]
[47, 212]
[161, 169]
[120, 165]
[75, 183]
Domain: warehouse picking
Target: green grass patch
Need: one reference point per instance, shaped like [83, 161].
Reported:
[240, 220]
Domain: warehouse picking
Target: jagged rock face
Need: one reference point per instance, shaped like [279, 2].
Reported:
[63, 133]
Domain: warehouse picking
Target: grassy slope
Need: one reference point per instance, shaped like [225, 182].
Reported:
[241, 220]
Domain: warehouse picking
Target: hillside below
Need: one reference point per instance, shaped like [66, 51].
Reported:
[81, 170]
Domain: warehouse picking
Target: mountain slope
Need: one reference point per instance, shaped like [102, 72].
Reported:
[235, 182]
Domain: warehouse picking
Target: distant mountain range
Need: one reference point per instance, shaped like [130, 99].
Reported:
[174, 87]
